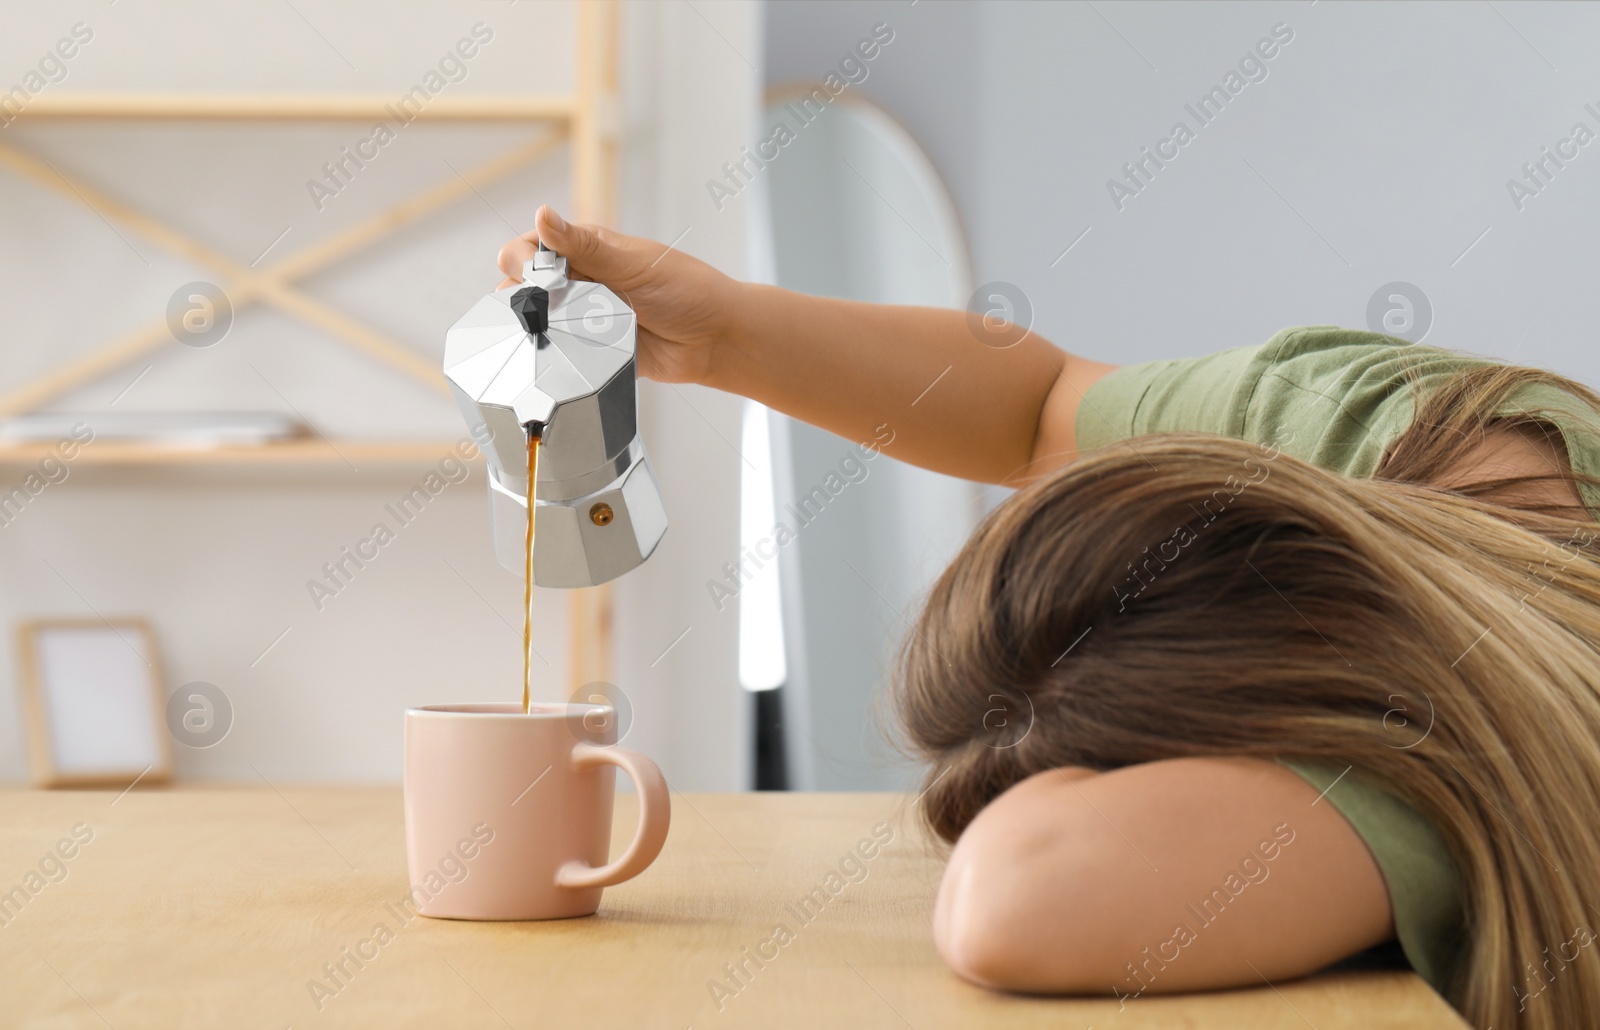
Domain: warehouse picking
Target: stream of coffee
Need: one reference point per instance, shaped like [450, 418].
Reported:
[527, 589]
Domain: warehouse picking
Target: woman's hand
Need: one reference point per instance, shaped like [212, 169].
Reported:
[684, 305]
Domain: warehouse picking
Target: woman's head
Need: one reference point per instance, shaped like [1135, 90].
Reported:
[1187, 595]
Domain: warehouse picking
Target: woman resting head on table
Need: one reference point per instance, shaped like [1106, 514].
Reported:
[1278, 656]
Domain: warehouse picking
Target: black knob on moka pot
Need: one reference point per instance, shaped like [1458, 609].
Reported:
[532, 305]
[555, 358]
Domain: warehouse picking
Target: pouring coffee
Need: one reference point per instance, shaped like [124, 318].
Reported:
[547, 367]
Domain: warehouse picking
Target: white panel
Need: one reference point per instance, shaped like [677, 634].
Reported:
[98, 692]
[691, 101]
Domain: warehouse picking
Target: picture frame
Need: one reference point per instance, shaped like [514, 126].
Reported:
[93, 691]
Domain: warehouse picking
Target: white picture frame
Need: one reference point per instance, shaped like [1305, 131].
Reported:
[93, 690]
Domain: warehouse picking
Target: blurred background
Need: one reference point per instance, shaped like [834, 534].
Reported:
[211, 255]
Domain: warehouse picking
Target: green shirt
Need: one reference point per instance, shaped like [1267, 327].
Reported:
[1338, 398]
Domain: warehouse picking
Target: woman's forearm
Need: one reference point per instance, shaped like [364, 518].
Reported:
[952, 402]
[1170, 875]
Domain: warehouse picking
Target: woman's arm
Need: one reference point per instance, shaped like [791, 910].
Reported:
[1168, 876]
[953, 402]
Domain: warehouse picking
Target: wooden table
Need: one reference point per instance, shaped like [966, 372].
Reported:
[220, 907]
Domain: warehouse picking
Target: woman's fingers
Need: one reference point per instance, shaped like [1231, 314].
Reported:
[592, 252]
[590, 255]
[514, 254]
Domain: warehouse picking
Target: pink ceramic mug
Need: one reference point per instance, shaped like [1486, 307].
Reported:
[508, 815]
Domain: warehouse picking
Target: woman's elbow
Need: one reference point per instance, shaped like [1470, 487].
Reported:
[1036, 893]
[991, 930]
[972, 937]
[965, 935]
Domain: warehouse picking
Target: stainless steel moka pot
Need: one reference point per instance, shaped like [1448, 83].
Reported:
[555, 357]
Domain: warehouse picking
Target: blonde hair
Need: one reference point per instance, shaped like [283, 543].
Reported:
[1186, 595]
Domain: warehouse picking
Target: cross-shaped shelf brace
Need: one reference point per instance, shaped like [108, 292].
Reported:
[273, 285]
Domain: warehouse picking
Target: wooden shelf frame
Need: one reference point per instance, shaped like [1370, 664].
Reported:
[290, 107]
[300, 451]
[587, 119]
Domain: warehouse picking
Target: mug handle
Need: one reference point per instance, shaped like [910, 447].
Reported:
[655, 814]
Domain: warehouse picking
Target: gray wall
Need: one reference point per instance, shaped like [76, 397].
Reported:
[1376, 149]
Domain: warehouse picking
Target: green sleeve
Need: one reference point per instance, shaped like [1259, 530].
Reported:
[1196, 395]
[1334, 397]
[1425, 888]
[1337, 398]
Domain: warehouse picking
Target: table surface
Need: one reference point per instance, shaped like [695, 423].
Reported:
[221, 907]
